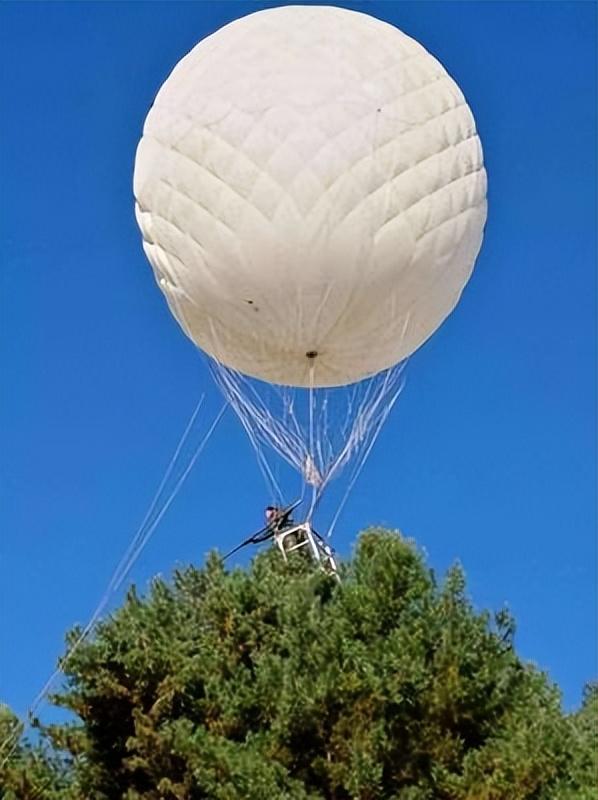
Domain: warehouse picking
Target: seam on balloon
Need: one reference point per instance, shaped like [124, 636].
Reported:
[452, 217]
[424, 296]
[217, 177]
[389, 142]
[402, 174]
[205, 252]
[238, 152]
[210, 316]
[375, 76]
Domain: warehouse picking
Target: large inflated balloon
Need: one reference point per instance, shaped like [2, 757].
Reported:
[311, 193]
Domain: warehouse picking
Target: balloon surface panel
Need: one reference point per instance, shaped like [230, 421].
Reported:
[311, 193]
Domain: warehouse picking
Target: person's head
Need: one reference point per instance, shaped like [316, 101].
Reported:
[271, 512]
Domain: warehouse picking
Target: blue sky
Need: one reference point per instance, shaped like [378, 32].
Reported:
[490, 456]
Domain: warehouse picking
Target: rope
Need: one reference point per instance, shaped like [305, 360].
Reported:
[124, 566]
[317, 431]
[361, 463]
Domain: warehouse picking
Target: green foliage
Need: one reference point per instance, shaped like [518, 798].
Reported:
[31, 772]
[276, 683]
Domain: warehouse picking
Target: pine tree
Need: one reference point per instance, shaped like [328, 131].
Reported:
[30, 772]
[275, 682]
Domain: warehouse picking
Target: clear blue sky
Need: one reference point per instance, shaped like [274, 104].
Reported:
[490, 457]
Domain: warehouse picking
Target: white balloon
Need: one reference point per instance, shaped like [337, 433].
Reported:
[311, 192]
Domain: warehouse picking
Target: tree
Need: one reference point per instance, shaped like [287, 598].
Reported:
[276, 683]
[30, 772]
